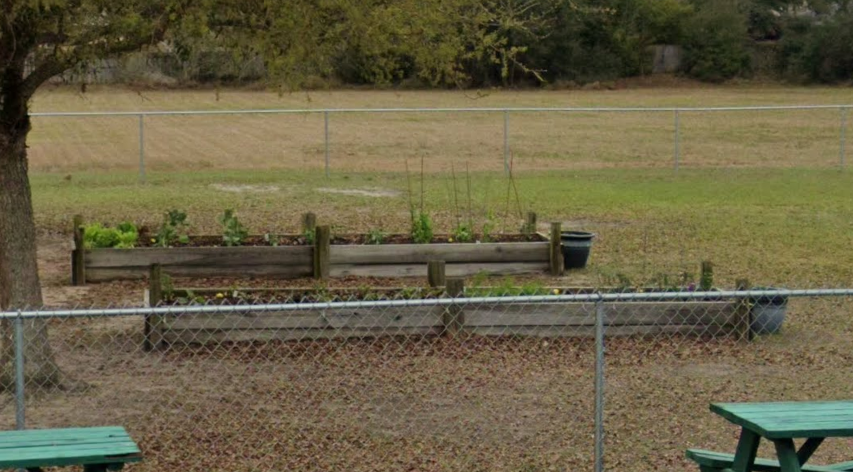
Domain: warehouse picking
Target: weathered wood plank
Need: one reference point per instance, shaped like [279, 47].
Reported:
[621, 314]
[452, 270]
[153, 324]
[321, 255]
[222, 257]
[205, 337]
[78, 253]
[104, 274]
[453, 316]
[589, 331]
[450, 253]
[392, 317]
[555, 253]
[436, 273]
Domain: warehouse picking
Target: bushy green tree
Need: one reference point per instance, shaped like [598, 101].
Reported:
[818, 52]
[715, 48]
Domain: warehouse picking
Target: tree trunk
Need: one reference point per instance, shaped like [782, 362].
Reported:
[19, 279]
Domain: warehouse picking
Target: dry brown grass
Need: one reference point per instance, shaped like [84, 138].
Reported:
[361, 142]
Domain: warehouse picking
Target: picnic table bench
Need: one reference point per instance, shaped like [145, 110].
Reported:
[96, 449]
[781, 423]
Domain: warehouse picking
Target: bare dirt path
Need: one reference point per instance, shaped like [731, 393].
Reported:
[54, 258]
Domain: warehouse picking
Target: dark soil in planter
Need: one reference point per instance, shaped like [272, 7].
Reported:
[342, 239]
[308, 295]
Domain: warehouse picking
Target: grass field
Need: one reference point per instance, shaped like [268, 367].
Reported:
[758, 194]
[382, 142]
[788, 227]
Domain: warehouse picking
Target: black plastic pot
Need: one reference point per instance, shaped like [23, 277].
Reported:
[768, 312]
[575, 246]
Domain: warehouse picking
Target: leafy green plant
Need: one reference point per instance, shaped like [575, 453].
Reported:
[310, 235]
[375, 236]
[233, 232]
[422, 228]
[463, 233]
[173, 229]
[124, 236]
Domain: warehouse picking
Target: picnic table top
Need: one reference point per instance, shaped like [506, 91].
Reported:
[781, 420]
[70, 446]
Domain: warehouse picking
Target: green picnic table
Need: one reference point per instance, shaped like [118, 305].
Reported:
[780, 423]
[96, 449]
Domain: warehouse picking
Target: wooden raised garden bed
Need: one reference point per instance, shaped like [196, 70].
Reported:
[327, 257]
[542, 319]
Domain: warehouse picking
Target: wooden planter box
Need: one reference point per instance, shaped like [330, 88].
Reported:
[543, 319]
[550, 320]
[320, 261]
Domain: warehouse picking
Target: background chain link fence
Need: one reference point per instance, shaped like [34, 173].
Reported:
[490, 139]
[598, 381]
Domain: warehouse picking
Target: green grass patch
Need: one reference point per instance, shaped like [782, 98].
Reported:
[789, 227]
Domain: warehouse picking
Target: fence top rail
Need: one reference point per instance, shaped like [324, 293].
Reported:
[275, 111]
[582, 298]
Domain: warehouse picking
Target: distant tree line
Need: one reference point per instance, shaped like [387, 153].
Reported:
[475, 43]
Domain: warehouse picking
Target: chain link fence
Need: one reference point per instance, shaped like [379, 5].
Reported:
[489, 139]
[594, 381]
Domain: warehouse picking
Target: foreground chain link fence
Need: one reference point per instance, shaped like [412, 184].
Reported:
[596, 381]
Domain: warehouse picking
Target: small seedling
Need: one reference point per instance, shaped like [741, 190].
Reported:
[375, 236]
[463, 233]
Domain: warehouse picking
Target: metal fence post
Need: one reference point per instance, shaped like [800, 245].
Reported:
[326, 139]
[843, 138]
[20, 418]
[599, 385]
[677, 139]
[506, 142]
[142, 148]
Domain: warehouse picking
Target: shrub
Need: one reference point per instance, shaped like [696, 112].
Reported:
[819, 52]
[715, 48]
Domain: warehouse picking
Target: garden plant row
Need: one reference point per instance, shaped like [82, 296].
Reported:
[103, 254]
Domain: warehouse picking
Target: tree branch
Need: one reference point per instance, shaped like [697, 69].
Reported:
[43, 72]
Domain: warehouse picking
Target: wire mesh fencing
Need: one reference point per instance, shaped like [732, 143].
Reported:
[489, 139]
[595, 381]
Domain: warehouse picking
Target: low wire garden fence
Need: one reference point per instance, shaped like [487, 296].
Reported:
[594, 381]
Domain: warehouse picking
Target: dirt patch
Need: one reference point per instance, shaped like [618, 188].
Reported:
[245, 188]
[362, 192]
